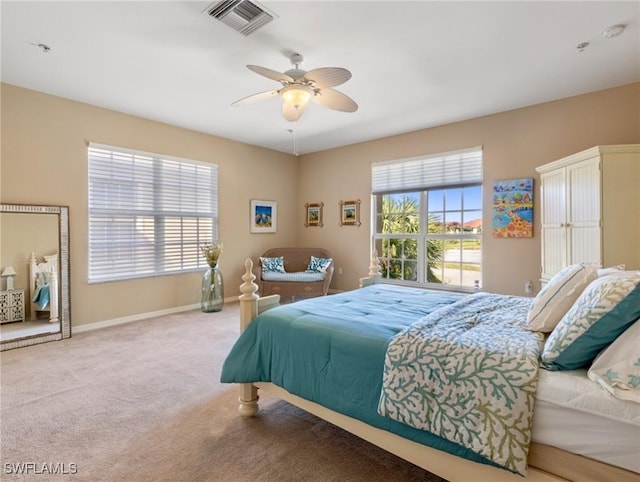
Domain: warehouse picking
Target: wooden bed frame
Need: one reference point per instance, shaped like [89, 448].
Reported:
[545, 463]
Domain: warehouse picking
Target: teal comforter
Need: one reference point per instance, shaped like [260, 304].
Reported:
[331, 350]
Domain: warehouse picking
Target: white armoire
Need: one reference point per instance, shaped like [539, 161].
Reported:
[590, 209]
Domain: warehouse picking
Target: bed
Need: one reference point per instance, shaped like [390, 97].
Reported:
[43, 286]
[345, 387]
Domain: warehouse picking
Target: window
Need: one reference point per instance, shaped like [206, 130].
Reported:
[428, 219]
[148, 214]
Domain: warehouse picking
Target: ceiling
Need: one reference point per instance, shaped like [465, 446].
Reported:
[414, 64]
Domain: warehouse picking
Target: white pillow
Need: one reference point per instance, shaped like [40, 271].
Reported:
[617, 368]
[558, 295]
[621, 273]
[611, 270]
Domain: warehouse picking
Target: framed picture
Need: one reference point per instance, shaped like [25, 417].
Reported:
[264, 216]
[314, 214]
[513, 208]
[350, 213]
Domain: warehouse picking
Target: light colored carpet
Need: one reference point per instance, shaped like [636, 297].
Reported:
[143, 402]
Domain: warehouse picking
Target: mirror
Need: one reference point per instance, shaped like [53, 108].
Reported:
[34, 273]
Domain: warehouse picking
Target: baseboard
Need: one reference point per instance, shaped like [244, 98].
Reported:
[98, 325]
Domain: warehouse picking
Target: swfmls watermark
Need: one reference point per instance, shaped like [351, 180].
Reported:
[40, 468]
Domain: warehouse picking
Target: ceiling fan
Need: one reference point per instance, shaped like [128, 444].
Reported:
[299, 87]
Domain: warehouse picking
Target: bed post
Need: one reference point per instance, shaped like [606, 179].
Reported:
[53, 296]
[248, 311]
[374, 271]
[374, 266]
[33, 271]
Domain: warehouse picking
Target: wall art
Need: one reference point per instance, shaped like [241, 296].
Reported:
[264, 216]
[513, 208]
[350, 213]
[314, 214]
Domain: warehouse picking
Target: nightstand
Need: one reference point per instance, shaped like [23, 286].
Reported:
[11, 306]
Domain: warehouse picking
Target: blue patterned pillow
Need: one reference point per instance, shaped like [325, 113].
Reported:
[318, 265]
[605, 309]
[273, 264]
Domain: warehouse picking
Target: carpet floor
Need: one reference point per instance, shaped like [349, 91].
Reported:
[143, 402]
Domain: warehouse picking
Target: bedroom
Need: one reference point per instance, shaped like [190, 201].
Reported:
[47, 135]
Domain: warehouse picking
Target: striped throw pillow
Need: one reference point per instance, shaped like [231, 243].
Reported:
[558, 296]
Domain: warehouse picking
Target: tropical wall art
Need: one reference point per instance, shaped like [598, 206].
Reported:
[263, 217]
[513, 208]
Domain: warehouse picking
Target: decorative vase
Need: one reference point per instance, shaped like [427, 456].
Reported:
[212, 290]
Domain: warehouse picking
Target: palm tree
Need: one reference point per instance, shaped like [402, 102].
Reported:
[400, 215]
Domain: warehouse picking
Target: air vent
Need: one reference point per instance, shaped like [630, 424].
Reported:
[242, 15]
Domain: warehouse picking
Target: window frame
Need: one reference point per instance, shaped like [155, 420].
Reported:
[173, 212]
[415, 271]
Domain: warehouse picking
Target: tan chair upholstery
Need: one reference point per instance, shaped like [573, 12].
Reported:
[295, 260]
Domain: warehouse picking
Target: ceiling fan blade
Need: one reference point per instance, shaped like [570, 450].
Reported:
[256, 97]
[335, 100]
[328, 76]
[270, 74]
[291, 113]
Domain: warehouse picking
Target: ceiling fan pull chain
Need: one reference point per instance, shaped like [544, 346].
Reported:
[295, 141]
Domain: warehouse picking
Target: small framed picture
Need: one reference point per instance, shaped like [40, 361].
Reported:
[350, 213]
[314, 214]
[264, 216]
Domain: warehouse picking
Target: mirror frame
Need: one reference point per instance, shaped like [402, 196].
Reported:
[63, 252]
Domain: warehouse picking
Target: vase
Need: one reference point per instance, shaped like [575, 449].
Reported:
[212, 290]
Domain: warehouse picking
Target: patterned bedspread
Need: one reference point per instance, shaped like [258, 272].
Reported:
[468, 373]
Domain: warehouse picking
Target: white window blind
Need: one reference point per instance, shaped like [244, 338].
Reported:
[148, 214]
[458, 168]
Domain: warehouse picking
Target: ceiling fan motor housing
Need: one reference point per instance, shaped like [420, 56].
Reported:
[296, 74]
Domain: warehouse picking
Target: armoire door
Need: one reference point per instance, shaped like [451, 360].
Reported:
[554, 215]
[584, 236]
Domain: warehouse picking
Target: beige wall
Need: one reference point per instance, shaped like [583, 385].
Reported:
[44, 141]
[44, 161]
[514, 143]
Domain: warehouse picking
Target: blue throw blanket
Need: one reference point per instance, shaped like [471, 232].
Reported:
[41, 296]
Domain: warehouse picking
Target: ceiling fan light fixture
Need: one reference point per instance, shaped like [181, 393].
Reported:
[296, 96]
